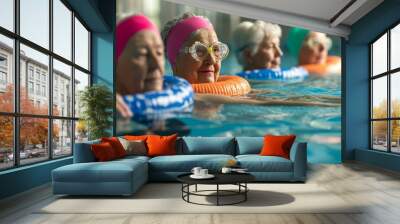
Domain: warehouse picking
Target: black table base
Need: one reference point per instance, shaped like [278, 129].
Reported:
[241, 191]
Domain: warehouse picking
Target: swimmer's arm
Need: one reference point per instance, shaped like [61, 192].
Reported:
[218, 99]
[122, 107]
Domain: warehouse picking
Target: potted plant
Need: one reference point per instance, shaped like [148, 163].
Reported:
[96, 103]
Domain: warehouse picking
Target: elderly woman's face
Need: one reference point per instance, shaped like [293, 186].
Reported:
[313, 55]
[314, 51]
[198, 71]
[140, 67]
[268, 54]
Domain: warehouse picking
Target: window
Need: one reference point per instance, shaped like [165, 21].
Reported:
[38, 89]
[37, 74]
[62, 74]
[41, 83]
[3, 72]
[385, 91]
[43, 77]
[6, 142]
[7, 71]
[81, 81]
[62, 30]
[30, 72]
[35, 22]
[62, 140]
[81, 45]
[3, 61]
[44, 91]
[30, 87]
[3, 78]
[7, 14]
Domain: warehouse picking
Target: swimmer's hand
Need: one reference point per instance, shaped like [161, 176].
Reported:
[122, 107]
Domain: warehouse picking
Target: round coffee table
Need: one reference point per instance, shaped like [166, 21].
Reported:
[238, 179]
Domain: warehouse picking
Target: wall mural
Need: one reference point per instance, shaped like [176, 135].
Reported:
[197, 72]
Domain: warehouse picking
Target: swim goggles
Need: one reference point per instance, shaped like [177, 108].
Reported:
[199, 51]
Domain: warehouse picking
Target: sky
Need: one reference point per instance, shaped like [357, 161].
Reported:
[34, 26]
[380, 66]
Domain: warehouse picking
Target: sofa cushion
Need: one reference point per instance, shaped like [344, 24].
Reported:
[207, 145]
[257, 163]
[134, 147]
[135, 137]
[103, 152]
[116, 145]
[161, 145]
[185, 163]
[249, 145]
[277, 145]
[111, 171]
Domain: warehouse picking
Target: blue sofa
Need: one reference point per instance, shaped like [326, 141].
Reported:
[125, 176]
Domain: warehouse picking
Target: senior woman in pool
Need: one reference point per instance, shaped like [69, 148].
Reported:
[314, 51]
[195, 53]
[141, 85]
[257, 45]
[257, 49]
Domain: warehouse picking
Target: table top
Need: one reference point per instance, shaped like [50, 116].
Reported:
[220, 178]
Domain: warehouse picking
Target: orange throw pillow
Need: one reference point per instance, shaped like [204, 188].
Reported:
[103, 152]
[277, 145]
[116, 145]
[135, 137]
[161, 145]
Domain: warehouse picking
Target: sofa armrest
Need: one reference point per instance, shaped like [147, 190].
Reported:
[83, 153]
[299, 158]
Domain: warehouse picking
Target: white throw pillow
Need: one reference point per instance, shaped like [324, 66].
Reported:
[134, 147]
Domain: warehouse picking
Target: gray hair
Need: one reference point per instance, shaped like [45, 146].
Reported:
[249, 35]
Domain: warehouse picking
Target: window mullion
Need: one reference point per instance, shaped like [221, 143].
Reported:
[16, 84]
[371, 98]
[389, 112]
[50, 81]
[73, 82]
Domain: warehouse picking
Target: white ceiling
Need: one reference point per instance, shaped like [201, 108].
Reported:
[317, 15]
[320, 9]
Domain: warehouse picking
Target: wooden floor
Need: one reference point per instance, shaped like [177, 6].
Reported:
[378, 188]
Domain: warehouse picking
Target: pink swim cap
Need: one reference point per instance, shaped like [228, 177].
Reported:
[181, 32]
[128, 27]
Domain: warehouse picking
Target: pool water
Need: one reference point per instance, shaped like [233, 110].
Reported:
[319, 126]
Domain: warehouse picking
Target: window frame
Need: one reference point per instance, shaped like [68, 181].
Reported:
[388, 74]
[16, 115]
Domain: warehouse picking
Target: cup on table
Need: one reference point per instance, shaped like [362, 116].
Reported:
[203, 172]
[196, 171]
[226, 170]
